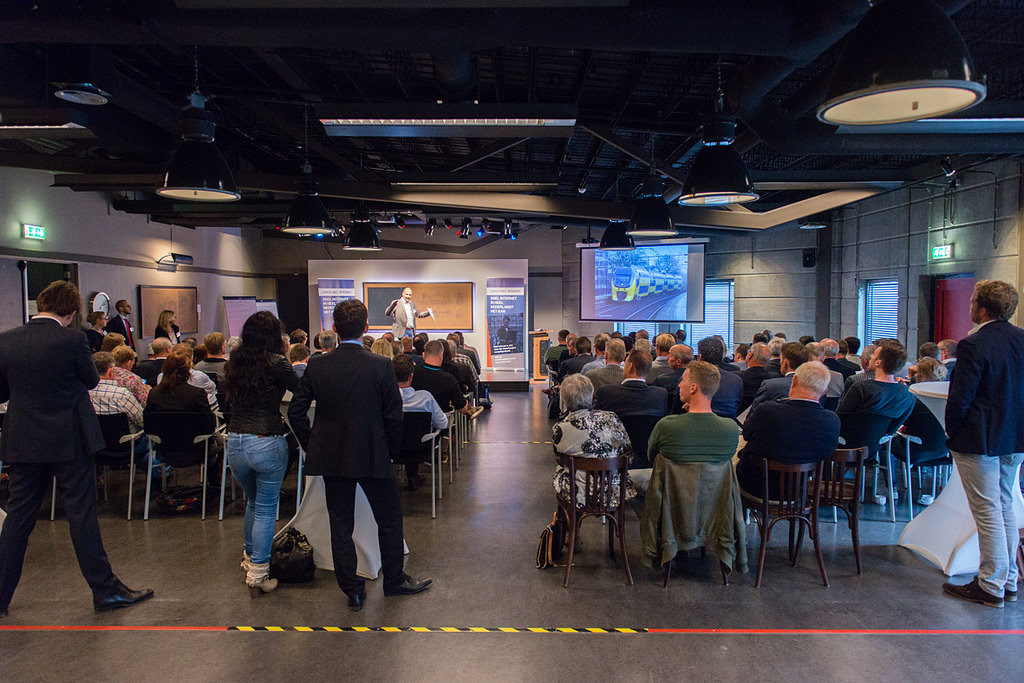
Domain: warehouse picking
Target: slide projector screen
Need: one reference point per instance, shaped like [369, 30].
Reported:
[655, 282]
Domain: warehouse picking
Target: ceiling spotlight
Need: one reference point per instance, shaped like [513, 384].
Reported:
[651, 216]
[197, 171]
[307, 215]
[82, 93]
[428, 229]
[400, 221]
[485, 224]
[480, 232]
[448, 224]
[905, 61]
[947, 167]
[582, 189]
[615, 238]
[506, 230]
[718, 174]
[464, 232]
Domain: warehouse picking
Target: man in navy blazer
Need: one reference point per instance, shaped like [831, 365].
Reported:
[985, 429]
[51, 431]
[633, 396]
[794, 354]
[726, 401]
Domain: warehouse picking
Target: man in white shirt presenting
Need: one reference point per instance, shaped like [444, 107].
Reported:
[404, 313]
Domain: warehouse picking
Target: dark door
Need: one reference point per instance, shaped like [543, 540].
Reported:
[293, 302]
[953, 307]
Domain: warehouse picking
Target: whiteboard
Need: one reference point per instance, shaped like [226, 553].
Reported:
[267, 305]
[237, 310]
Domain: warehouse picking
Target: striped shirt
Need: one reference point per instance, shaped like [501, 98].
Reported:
[108, 399]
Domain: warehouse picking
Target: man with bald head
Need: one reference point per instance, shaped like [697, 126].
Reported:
[404, 313]
[756, 373]
[663, 343]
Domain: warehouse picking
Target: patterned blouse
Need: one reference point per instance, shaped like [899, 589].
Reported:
[133, 383]
[594, 434]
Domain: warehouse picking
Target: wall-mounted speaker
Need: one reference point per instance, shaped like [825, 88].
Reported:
[810, 258]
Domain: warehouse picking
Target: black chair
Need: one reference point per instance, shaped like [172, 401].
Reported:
[639, 428]
[181, 439]
[419, 444]
[119, 451]
[876, 432]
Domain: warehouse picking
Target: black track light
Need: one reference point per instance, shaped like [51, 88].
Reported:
[428, 229]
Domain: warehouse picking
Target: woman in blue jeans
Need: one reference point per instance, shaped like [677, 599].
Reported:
[256, 377]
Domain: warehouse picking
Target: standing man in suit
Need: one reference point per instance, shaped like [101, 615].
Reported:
[356, 433]
[404, 313]
[121, 323]
[985, 427]
[50, 430]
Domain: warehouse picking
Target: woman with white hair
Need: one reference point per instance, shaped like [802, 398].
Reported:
[587, 432]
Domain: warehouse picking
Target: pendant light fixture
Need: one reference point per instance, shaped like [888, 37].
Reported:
[652, 217]
[307, 215]
[362, 233]
[197, 171]
[615, 238]
[905, 61]
[718, 175]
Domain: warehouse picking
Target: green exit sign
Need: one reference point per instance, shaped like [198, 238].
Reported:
[33, 232]
[942, 252]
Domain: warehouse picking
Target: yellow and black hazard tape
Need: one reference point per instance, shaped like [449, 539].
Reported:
[435, 629]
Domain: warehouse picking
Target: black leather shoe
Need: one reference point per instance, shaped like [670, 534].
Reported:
[355, 602]
[409, 586]
[124, 597]
[416, 482]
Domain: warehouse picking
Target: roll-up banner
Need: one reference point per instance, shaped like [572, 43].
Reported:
[506, 329]
[331, 293]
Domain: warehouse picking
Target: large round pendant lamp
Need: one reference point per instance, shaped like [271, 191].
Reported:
[197, 171]
[718, 176]
[616, 239]
[362, 233]
[307, 215]
[652, 216]
[905, 61]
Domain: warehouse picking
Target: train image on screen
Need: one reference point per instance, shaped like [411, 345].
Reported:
[630, 283]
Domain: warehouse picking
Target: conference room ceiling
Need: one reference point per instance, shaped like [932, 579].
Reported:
[640, 78]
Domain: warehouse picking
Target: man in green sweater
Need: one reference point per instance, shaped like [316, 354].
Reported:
[698, 435]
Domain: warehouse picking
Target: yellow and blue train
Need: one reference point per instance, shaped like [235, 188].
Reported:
[631, 282]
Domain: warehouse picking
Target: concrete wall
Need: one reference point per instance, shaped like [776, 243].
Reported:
[890, 237]
[771, 287]
[116, 252]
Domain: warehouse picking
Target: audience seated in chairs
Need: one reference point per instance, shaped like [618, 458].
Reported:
[611, 371]
[663, 343]
[213, 364]
[692, 498]
[416, 401]
[174, 393]
[881, 394]
[382, 347]
[599, 345]
[833, 349]
[726, 401]
[756, 373]
[442, 385]
[575, 364]
[816, 351]
[298, 356]
[111, 341]
[97, 321]
[124, 360]
[196, 378]
[793, 430]
[792, 355]
[587, 432]
[109, 398]
[679, 356]
[638, 405]
[150, 369]
[947, 354]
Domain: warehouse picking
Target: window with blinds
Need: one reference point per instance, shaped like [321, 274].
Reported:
[881, 309]
[718, 314]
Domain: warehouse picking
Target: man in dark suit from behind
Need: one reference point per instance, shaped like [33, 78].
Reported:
[726, 401]
[679, 356]
[843, 358]
[985, 426]
[632, 396]
[356, 433]
[575, 364]
[831, 347]
[50, 430]
[756, 373]
[151, 368]
[793, 355]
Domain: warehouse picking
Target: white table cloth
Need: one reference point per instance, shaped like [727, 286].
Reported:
[311, 519]
[944, 533]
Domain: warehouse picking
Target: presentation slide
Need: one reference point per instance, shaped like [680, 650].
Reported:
[656, 283]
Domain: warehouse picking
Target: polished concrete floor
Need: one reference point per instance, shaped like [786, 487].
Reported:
[480, 552]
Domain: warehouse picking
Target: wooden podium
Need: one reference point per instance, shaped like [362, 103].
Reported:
[540, 340]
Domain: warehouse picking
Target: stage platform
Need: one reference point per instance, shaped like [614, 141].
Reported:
[505, 380]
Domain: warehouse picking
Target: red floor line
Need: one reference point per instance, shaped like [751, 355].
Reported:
[113, 628]
[840, 631]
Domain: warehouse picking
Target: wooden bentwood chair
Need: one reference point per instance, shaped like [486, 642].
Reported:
[793, 503]
[838, 492]
[598, 501]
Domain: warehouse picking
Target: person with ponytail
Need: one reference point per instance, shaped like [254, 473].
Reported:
[256, 377]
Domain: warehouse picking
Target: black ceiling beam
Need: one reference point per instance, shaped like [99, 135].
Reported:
[490, 150]
[688, 25]
[628, 148]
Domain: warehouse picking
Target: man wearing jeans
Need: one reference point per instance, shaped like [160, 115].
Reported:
[985, 427]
